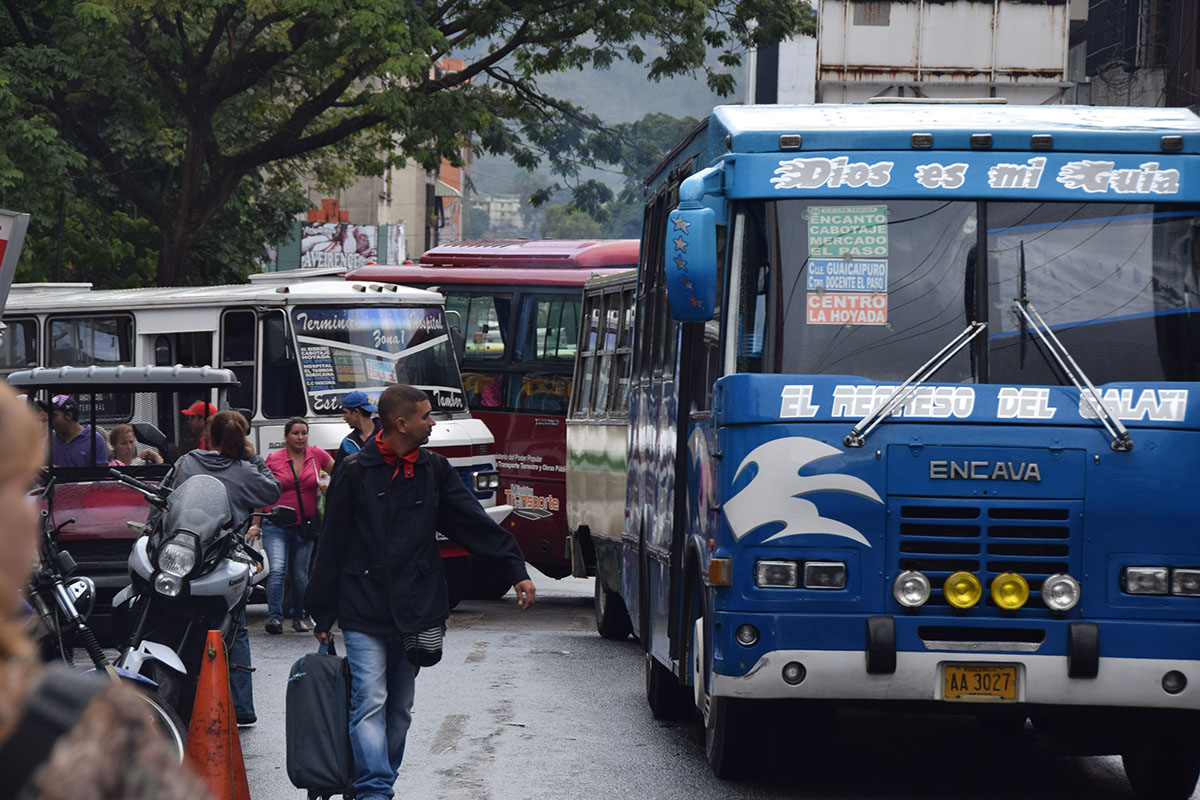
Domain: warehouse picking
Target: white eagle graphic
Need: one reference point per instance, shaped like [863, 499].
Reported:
[775, 493]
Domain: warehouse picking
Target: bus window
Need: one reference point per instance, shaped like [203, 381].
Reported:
[547, 328]
[86, 341]
[238, 354]
[367, 349]
[587, 358]
[486, 319]
[283, 393]
[608, 344]
[189, 348]
[549, 324]
[18, 345]
[620, 404]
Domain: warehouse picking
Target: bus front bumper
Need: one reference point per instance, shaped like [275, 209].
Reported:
[842, 675]
[881, 658]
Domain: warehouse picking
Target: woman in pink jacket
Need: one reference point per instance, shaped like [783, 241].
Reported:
[299, 469]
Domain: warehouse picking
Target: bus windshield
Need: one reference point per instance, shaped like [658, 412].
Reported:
[844, 288]
[366, 349]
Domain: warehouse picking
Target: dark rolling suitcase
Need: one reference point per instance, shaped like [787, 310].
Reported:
[318, 725]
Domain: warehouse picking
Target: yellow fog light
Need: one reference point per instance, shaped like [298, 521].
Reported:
[962, 590]
[1010, 591]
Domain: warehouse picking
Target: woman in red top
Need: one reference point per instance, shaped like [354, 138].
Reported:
[299, 469]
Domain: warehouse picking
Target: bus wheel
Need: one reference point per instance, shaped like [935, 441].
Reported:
[667, 699]
[727, 734]
[1166, 763]
[612, 619]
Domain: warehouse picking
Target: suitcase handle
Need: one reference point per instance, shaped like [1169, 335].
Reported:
[328, 649]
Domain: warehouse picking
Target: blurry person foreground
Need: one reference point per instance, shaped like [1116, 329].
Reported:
[111, 751]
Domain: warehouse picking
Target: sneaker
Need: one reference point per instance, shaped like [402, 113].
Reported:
[274, 626]
[298, 626]
[246, 719]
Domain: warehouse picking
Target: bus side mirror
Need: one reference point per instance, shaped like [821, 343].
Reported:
[457, 340]
[690, 259]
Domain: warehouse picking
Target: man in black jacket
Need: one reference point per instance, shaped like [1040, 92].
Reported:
[379, 575]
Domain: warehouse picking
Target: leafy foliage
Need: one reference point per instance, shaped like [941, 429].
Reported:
[180, 128]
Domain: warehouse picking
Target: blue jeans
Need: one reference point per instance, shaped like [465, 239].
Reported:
[381, 697]
[287, 554]
[241, 684]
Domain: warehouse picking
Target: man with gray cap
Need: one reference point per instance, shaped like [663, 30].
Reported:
[357, 411]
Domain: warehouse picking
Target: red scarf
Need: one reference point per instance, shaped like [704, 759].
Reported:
[389, 455]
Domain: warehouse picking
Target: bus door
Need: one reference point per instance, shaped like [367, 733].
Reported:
[654, 449]
[533, 477]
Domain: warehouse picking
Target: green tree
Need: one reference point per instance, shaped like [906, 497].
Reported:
[185, 125]
[564, 222]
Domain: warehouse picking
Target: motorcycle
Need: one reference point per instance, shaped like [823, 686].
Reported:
[60, 605]
[190, 572]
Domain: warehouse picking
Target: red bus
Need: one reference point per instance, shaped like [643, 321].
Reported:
[519, 304]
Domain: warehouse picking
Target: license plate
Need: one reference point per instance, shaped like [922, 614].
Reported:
[980, 682]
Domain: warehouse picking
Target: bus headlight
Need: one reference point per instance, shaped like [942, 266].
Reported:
[776, 574]
[1145, 580]
[1060, 592]
[1010, 591]
[1185, 582]
[962, 590]
[487, 481]
[911, 589]
[824, 575]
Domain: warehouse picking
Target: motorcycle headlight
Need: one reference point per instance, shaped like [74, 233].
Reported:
[178, 556]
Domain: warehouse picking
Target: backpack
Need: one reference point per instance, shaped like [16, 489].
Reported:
[50, 709]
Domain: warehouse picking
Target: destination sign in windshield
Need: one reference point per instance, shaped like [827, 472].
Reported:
[368, 349]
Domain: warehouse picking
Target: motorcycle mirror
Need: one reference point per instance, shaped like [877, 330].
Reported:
[145, 432]
[283, 516]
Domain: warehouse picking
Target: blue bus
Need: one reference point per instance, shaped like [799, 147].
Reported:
[910, 424]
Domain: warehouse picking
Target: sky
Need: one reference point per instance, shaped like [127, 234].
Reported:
[622, 93]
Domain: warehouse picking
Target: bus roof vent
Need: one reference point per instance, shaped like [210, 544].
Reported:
[1172, 142]
[282, 289]
[358, 287]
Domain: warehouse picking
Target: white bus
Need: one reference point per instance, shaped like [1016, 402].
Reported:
[297, 343]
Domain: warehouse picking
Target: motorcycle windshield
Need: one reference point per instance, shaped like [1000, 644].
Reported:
[201, 506]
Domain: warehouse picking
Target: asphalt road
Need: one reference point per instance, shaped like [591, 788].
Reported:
[536, 706]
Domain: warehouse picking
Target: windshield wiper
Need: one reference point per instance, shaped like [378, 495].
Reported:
[1120, 437]
[858, 434]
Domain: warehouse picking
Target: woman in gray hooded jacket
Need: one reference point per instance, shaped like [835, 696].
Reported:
[250, 485]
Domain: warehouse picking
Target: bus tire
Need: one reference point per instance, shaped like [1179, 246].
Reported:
[612, 619]
[726, 737]
[1164, 764]
[666, 698]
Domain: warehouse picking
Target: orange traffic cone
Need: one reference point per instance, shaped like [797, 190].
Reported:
[213, 747]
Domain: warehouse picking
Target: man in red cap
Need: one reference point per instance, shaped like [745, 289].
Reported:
[198, 414]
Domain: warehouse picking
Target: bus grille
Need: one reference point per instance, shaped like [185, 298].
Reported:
[939, 537]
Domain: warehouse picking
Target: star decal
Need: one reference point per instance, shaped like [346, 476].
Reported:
[681, 263]
[686, 283]
[697, 302]
[681, 224]
[681, 244]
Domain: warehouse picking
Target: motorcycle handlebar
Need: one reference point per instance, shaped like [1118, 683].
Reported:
[155, 495]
